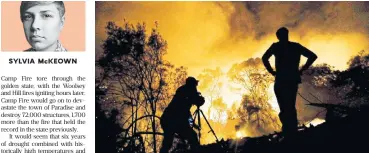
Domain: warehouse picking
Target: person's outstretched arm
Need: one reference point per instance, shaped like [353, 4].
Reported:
[265, 59]
[311, 57]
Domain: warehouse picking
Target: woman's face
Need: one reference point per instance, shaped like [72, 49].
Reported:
[42, 25]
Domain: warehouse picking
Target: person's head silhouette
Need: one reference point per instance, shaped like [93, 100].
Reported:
[191, 81]
[282, 34]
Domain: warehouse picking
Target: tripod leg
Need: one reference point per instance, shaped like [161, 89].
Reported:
[211, 129]
[199, 123]
[196, 115]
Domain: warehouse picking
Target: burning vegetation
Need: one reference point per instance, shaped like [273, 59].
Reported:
[137, 83]
[137, 74]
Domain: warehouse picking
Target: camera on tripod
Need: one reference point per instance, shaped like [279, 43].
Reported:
[196, 117]
[200, 100]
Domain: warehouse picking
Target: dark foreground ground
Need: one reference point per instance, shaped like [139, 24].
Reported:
[347, 133]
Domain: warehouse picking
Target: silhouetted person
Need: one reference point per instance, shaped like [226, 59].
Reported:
[175, 118]
[287, 76]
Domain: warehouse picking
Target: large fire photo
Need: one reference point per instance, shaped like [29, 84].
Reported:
[145, 51]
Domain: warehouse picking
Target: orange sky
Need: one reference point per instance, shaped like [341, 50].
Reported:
[217, 34]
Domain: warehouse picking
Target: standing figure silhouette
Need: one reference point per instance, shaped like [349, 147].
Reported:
[287, 76]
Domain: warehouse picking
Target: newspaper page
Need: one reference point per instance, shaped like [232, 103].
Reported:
[184, 76]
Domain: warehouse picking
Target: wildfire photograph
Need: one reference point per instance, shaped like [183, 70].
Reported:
[232, 77]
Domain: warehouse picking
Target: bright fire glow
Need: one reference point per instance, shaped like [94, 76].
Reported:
[231, 93]
[229, 98]
[239, 134]
[273, 99]
[316, 122]
[218, 115]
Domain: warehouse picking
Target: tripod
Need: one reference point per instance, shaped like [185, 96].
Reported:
[197, 114]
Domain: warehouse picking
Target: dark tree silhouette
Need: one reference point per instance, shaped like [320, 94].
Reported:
[138, 82]
[356, 77]
[350, 86]
[326, 86]
[106, 129]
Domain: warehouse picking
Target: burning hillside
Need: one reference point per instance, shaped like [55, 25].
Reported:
[341, 134]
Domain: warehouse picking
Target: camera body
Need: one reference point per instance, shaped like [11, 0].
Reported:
[200, 100]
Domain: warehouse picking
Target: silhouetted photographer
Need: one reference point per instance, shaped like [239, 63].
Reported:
[287, 76]
[175, 118]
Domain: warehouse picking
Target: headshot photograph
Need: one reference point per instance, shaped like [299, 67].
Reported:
[43, 26]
